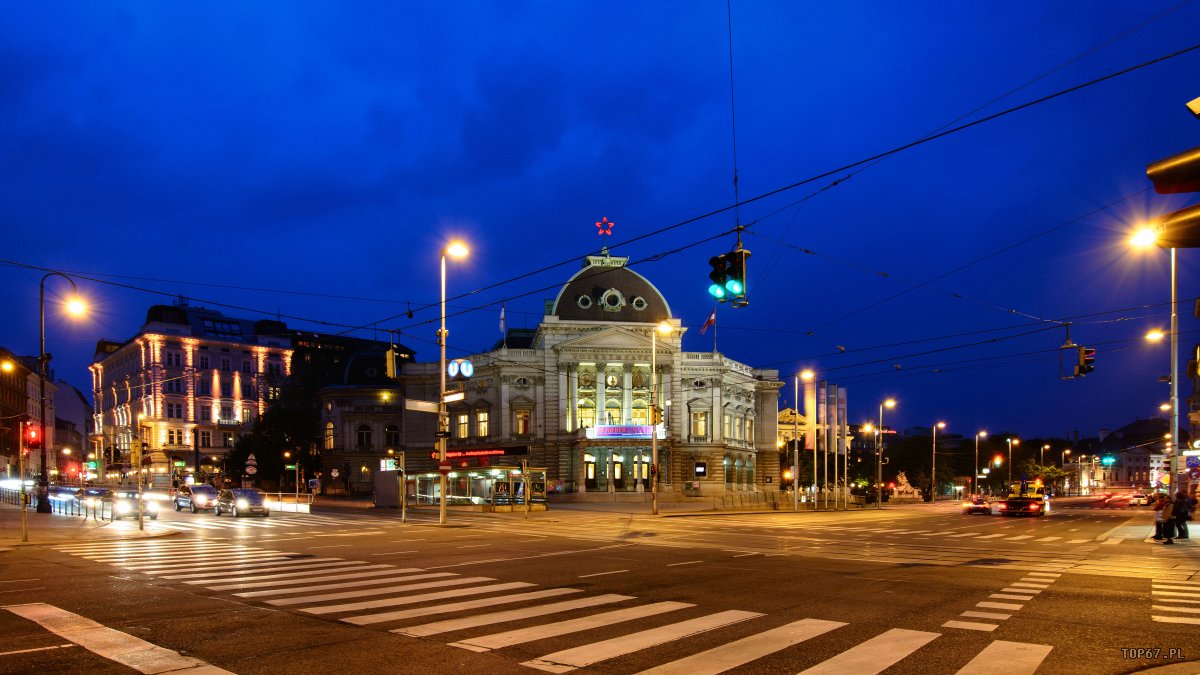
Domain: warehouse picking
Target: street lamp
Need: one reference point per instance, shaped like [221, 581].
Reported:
[933, 463]
[889, 404]
[1011, 442]
[978, 435]
[1044, 449]
[806, 375]
[457, 250]
[1147, 237]
[1062, 460]
[76, 308]
[664, 328]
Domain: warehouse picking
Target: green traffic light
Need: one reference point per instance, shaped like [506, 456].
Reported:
[716, 291]
[735, 286]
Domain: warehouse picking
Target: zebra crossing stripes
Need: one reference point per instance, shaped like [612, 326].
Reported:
[734, 654]
[358, 572]
[875, 655]
[380, 581]
[1017, 658]
[1024, 590]
[1175, 601]
[450, 625]
[586, 655]
[366, 593]
[414, 599]
[522, 635]
[260, 567]
[404, 614]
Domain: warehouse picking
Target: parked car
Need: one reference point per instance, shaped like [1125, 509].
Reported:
[195, 497]
[241, 501]
[976, 504]
[125, 505]
[1138, 499]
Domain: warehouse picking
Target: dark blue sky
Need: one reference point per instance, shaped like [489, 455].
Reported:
[243, 153]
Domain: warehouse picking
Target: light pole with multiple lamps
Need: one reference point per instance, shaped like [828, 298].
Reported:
[75, 307]
[664, 328]
[978, 435]
[1011, 442]
[933, 491]
[889, 404]
[458, 250]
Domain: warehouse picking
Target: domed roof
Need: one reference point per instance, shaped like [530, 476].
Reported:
[606, 290]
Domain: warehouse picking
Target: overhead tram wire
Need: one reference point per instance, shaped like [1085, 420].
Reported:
[1088, 52]
[825, 174]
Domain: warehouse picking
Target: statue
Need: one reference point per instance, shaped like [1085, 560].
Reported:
[904, 490]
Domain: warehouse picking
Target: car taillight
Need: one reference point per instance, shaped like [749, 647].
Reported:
[1003, 506]
[966, 503]
[1033, 507]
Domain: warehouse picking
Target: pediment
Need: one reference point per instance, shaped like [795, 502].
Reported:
[613, 339]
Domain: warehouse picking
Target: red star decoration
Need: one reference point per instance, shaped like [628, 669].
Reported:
[604, 226]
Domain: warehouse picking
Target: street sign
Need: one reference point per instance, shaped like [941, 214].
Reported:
[1194, 473]
[250, 461]
[444, 469]
[333, 472]
[251, 470]
[93, 465]
[1193, 462]
[290, 467]
[180, 464]
[420, 406]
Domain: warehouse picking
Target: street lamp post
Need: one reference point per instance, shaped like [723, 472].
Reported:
[978, 435]
[76, 308]
[1062, 461]
[1011, 442]
[933, 464]
[807, 376]
[1044, 449]
[1145, 238]
[664, 328]
[889, 404]
[456, 249]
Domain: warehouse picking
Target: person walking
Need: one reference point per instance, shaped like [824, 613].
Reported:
[1168, 520]
[1183, 513]
[1157, 503]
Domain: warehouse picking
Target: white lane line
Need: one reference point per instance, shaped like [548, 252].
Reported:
[1112, 542]
[999, 605]
[289, 579]
[964, 534]
[1166, 608]
[474, 546]
[16, 581]
[1079, 541]
[1008, 596]
[1020, 537]
[1014, 589]
[323, 567]
[360, 583]
[738, 653]
[511, 615]
[1030, 584]
[1175, 594]
[1018, 658]
[515, 637]
[215, 567]
[366, 593]
[403, 614]
[1175, 619]
[413, 599]
[586, 655]
[125, 649]
[37, 649]
[1049, 539]
[743, 555]
[25, 590]
[1165, 586]
[991, 536]
[875, 655]
[1182, 602]
[395, 553]
[1051, 575]
[971, 625]
[1180, 583]
[987, 615]
[690, 562]
[601, 574]
[313, 548]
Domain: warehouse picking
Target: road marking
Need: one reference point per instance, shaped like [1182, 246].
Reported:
[1112, 542]
[1175, 619]
[1020, 537]
[741, 652]
[125, 649]
[345, 584]
[314, 565]
[1030, 584]
[523, 635]
[327, 546]
[1019, 658]
[986, 615]
[1173, 593]
[1049, 539]
[365, 593]
[743, 555]
[1014, 589]
[875, 655]
[457, 606]
[690, 562]
[36, 649]
[970, 625]
[1008, 596]
[999, 605]
[374, 571]
[1079, 541]
[395, 553]
[586, 655]
[1174, 586]
[17, 581]
[413, 599]
[1044, 574]
[512, 615]
[1180, 601]
[600, 574]
[474, 546]
[1165, 608]
[964, 534]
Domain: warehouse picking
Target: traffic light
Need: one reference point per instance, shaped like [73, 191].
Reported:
[735, 283]
[1087, 357]
[390, 366]
[719, 275]
[33, 436]
[1173, 175]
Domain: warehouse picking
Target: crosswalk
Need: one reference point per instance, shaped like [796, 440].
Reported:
[1175, 601]
[205, 522]
[485, 614]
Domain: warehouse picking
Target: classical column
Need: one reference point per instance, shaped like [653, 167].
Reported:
[626, 394]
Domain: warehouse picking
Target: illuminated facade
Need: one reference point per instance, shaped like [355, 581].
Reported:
[575, 396]
[190, 379]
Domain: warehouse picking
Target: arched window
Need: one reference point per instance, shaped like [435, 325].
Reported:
[391, 436]
[364, 437]
[329, 435]
[640, 411]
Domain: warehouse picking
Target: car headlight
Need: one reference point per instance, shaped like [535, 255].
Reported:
[199, 500]
[123, 507]
[242, 503]
[151, 506]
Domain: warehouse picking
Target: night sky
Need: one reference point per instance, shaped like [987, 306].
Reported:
[309, 159]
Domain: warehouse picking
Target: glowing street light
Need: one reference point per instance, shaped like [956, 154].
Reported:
[1155, 335]
[889, 404]
[933, 462]
[663, 328]
[457, 250]
[1011, 442]
[76, 308]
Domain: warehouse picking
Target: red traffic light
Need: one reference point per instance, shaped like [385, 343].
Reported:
[32, 436]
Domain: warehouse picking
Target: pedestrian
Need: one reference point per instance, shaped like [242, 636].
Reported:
[1168, 520]
[1183, 513]
[1157, 504]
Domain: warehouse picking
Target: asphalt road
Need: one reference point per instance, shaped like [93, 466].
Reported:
[915, 589]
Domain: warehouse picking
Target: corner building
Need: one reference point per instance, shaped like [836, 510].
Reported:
[574, 395]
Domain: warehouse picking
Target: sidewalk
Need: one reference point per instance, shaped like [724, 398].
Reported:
[55, 528]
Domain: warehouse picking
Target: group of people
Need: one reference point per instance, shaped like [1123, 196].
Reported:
[1171, 516]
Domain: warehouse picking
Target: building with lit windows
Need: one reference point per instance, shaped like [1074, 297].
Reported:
[19, 384]
[575, 396]
[191, 379]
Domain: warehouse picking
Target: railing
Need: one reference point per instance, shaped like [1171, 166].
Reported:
[289, 502]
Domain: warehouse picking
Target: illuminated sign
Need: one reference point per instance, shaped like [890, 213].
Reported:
[619, 431]
[1108, 461]
[483, 452]
[460, 368]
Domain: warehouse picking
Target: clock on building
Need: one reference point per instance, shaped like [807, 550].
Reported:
[611, 380]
